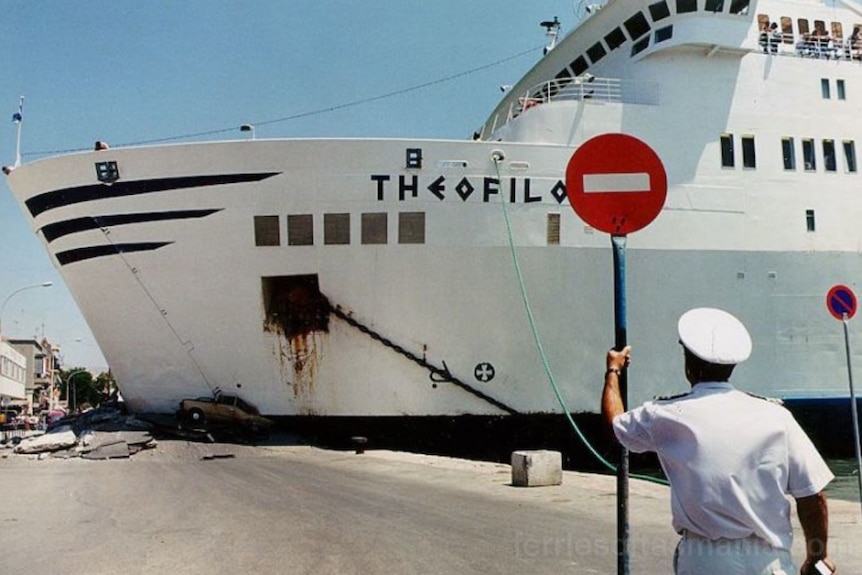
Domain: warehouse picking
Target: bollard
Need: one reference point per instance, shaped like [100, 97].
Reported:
[359, 444]
[537, 468]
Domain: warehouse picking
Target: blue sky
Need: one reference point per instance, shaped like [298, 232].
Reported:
[129, 72]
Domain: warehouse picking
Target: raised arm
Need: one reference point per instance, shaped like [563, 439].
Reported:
[612, 401]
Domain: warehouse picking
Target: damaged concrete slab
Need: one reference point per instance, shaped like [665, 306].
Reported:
[108, 432]
[62, 437]
[117, 449]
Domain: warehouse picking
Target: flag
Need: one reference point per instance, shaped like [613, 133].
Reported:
[18, 116]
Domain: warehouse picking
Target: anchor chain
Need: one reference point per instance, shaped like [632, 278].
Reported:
[443, 374]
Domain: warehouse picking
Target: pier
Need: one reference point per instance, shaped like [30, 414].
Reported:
[283, 507]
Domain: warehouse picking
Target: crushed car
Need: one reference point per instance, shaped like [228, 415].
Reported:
[223, 411]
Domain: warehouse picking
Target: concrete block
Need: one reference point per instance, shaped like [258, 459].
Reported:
[537, 468]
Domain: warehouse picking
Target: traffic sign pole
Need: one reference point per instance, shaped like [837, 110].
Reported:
[842, 303]
[853, 409]
[617, 184]
[620, 341]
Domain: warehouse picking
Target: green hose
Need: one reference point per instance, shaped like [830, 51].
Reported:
[497, 157]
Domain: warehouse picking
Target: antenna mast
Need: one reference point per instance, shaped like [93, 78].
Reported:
[552, 31]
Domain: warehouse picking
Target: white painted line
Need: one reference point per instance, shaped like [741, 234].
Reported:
[603, 183]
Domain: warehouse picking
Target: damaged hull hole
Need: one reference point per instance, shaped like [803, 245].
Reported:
[293, 305]
[296, 313]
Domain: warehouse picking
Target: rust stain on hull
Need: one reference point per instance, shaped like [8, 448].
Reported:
[297, 314]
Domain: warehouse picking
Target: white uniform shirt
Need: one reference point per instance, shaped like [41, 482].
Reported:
[731, 458]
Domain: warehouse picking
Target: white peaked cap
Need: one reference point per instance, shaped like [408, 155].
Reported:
[714, 336]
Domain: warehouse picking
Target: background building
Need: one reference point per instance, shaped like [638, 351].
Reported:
[13, 375]
[41, 380]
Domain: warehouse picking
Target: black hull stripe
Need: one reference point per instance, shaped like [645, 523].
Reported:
[68, 196]
[66, 227]
[90, 252]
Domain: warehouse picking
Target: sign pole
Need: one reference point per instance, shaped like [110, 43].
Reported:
[617, 184]
[620, 341]
[853, 409]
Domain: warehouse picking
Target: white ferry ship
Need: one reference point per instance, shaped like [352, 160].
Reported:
[371, 277]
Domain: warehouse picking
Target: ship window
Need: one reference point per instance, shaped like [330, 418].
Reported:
[579, 65]
[615, 39]
[849, 155]
[820, 28]
[788, 151]
[300, 230]
[596, 52]
[748, 154]
[564, 75]
[637, 25]
[411, 228]
[739, 6]
[762, 19]
[837, 31]
[808, 155]
[839, 86]
[640, 45]
[266, 231]
[684, 6]
[809, 221]
[727, 150]
[336, 229]
[659, 11]
[787, 30]
[830, 164]
[824, 88]
[374, 228]
[714, 5]
[663, 34]
[802, 25]
[553, 229]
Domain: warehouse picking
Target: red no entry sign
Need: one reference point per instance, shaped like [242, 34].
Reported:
[616, 183]
[841, 302]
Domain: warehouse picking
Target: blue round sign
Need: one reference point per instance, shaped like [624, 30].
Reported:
[841, 302]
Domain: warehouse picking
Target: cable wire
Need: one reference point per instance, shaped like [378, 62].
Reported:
[300, 115]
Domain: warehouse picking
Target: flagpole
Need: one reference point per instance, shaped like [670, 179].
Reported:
[19, 119]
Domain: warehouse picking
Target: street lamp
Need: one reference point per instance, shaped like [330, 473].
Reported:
[69, 377]
[17, 291]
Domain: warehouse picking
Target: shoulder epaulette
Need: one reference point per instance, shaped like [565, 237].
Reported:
[669, 397]
[774, 400]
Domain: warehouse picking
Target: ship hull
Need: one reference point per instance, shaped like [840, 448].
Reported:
[351, 313]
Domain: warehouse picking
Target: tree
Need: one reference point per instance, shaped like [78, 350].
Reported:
[107, 384]
[79, 389]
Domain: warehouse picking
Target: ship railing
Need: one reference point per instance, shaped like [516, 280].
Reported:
[813, 46]
[586, 88]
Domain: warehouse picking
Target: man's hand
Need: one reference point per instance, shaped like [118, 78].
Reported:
[808, 567]
[612, 401]
[619, 359]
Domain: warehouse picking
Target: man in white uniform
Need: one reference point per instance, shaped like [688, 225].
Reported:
[731, 459]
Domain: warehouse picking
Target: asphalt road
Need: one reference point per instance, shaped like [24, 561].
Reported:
[176, 509]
